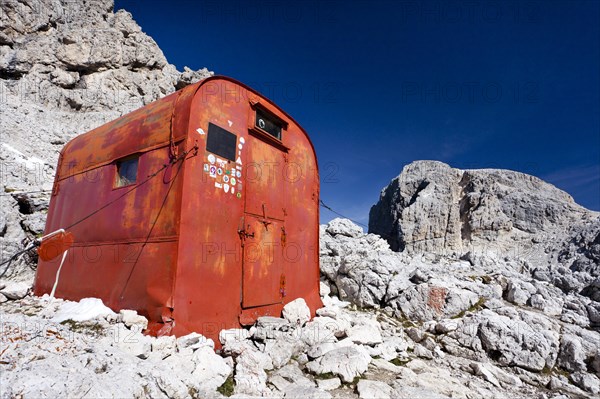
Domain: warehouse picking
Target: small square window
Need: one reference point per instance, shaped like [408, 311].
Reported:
[221, 142]
[126, 171]
[267, 123]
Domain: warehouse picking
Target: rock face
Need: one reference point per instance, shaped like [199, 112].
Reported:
[435, 208]
[491, 214]
[510, 325]
[365, 271]
[65, 67]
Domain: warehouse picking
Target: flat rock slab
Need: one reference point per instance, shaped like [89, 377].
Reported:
[329, 384]
[15, 290]
[368, 389]
[346, 362]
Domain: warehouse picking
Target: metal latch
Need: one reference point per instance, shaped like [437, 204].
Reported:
[242, 231]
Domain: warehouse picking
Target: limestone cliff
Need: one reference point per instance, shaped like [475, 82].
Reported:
[490, 213]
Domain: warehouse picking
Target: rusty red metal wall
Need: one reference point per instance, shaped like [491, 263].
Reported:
[172, 248]
[125, 253]
[276, 202]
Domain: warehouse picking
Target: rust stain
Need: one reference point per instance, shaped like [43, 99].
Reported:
[169, 245]
[437, 298]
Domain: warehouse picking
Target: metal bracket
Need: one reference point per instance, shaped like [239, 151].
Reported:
[242, 231]
[264, 220]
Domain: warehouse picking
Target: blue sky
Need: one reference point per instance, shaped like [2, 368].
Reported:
[379, 84]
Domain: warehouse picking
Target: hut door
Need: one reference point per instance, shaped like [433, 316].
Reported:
[263, 224]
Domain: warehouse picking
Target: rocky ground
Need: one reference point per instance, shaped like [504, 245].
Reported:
[447, 330]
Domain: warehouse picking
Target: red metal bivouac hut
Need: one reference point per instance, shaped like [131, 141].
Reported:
[199, 210]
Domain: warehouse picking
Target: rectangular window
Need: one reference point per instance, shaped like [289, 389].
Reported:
[221, 142]
[268, 124]
[127, 171]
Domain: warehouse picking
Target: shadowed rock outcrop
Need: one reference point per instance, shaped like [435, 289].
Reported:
[491, 214]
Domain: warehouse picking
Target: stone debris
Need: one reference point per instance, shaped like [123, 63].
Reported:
[344, 227]
[15, 290]
[132, 320]
[295, 391]
[347, 362]
[211, 369]
[232, 335]
[482, 371]
[377, 356]
[366, 333]
[368, 389]
[194, 341]
[329, 384]
[296, 312]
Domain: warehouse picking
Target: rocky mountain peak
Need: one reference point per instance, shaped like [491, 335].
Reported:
[82, 56]
[432, 207]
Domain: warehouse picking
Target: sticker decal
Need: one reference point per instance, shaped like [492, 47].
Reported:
[239, 195]
[219, 171]
[226, 187]
[201, 131]
[240, 147]
[230, 123]
[211, 159]
[239, 174]
[233, 181]
[218, 185]
[206, 167]
[226, 179]
[232, 190]
[213, 171]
